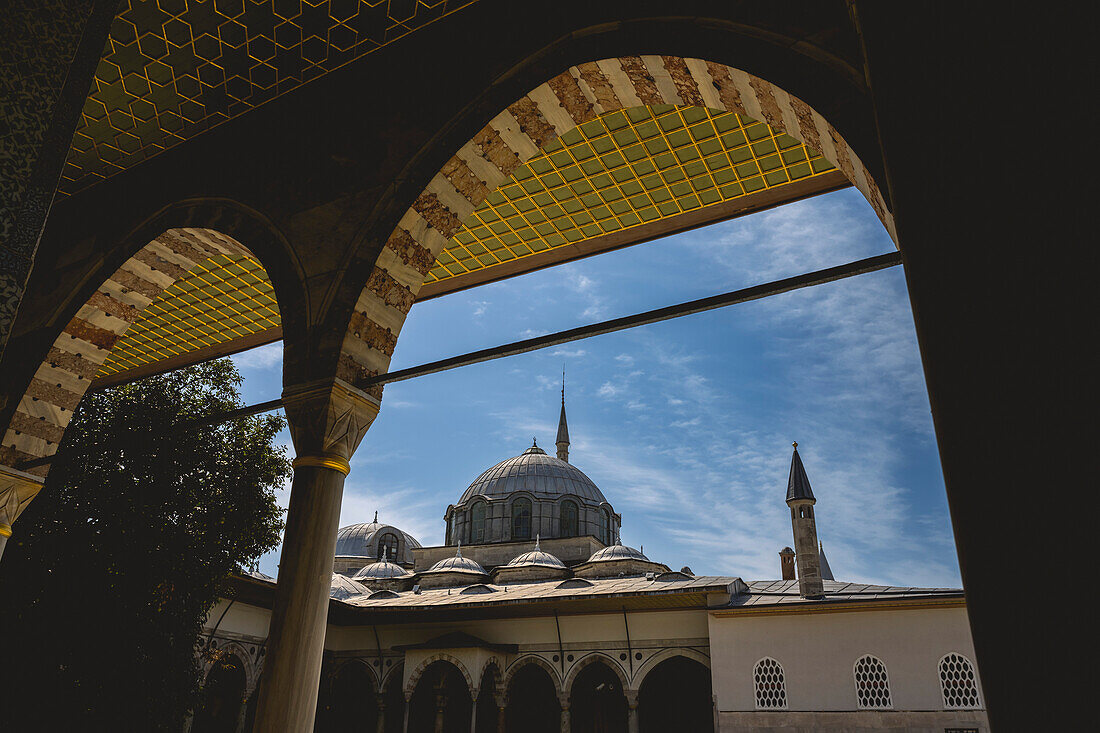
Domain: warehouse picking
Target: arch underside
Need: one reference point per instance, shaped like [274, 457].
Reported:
[477, 198]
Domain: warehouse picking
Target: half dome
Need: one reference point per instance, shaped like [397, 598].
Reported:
[536, 472]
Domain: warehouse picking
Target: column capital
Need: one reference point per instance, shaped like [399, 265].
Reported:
[631, 698]
[17, 488]
[328, 418]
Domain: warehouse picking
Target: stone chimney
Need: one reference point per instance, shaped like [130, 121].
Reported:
[786, 563]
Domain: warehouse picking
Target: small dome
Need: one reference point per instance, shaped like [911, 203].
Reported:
[381, 570]
[617, 551]
[536, 558]
[343, 588]
[361, 540]
[457, 564]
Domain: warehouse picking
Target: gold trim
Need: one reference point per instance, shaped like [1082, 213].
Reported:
[5, 530]
[846, 607]
[336, 463]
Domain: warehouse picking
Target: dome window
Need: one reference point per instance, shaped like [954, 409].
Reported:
[521, 519]
[387, 545]
[605, 528]
[477, 524]
[568, 519]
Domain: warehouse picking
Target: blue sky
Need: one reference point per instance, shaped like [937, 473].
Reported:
[686, 425]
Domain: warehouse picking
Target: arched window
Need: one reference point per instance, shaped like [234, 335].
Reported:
[568, 519]
[872, 684]
[477, 524]
[521, 519]
[388, 544]
[605, 527]
[450, 526]
[770, 684]
[958, 682]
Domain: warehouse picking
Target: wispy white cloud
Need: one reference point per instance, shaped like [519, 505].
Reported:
[268, 356]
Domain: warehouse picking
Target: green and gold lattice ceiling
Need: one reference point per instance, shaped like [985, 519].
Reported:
[174, 68]
[621, 170]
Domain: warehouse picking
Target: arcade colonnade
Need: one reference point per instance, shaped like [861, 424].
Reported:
[329, 413]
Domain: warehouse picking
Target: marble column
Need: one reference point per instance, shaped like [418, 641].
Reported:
[327, 421]
[632, 710]
[473, 712]
[380, 723]
[405, 725]
[563, 700]
[502, 708]
[440, 708]
[16, 491]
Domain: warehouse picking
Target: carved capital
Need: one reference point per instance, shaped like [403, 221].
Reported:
[328, 418]
[16, 491]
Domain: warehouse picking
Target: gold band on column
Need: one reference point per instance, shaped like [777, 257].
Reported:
[5, 530]
[336, 463]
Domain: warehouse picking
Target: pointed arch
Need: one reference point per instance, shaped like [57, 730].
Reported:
[688, 653]
[537, 661]
[595, 658]
[418, 672]
[574, 97]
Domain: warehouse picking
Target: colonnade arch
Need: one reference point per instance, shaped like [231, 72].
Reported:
[440, 701]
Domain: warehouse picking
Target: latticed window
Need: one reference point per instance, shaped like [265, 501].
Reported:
[959, 683]
[568, 519]
[477, 524]
[770, 684]
[388, 544]
[521, 519]
[872, 684]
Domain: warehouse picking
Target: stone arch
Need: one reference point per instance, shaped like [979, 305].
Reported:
[248, 664]
[345, 663]
[538, 661]
[664, 654]
[386, 677]
[516, 134]
[89, 322]
[414, 678]
[492, 661]
[594, 658]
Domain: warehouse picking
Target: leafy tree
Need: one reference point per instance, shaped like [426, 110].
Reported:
[114, 566]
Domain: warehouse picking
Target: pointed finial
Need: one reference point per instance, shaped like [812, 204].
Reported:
[537, 539]
[563, 382]
[376, 516]
[458, 553]
[385, 554]
[534, 443]
[795, 445]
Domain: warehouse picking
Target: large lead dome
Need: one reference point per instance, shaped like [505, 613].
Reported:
[534, 471]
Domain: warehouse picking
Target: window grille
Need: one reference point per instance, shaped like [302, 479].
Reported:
[568, 519]
[872, 684]
[958, 682]
[521, 519]
[770, 684]
[477, 524]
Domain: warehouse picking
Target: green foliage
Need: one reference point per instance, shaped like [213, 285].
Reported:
[113, 568]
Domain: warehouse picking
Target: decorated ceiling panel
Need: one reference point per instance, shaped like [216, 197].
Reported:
[224, 299]
[621, 170]
[174, 68]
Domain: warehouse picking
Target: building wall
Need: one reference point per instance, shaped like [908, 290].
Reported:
[818, 652]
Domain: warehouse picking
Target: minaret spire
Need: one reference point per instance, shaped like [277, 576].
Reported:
[563, 427]
[800, 498]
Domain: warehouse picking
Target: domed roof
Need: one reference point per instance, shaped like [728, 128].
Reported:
[536, 472]
[381, 570]
[342, 588]
[536, 558]
[457, 564]
[357, 540]
[617, 551]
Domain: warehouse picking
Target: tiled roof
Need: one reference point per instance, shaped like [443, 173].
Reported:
[777, 592]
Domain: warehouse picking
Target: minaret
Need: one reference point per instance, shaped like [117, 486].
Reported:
[563, 428]
[800, 498]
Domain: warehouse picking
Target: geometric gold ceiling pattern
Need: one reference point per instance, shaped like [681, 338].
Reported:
[174, 68]
[621, 170]
[223, 299]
